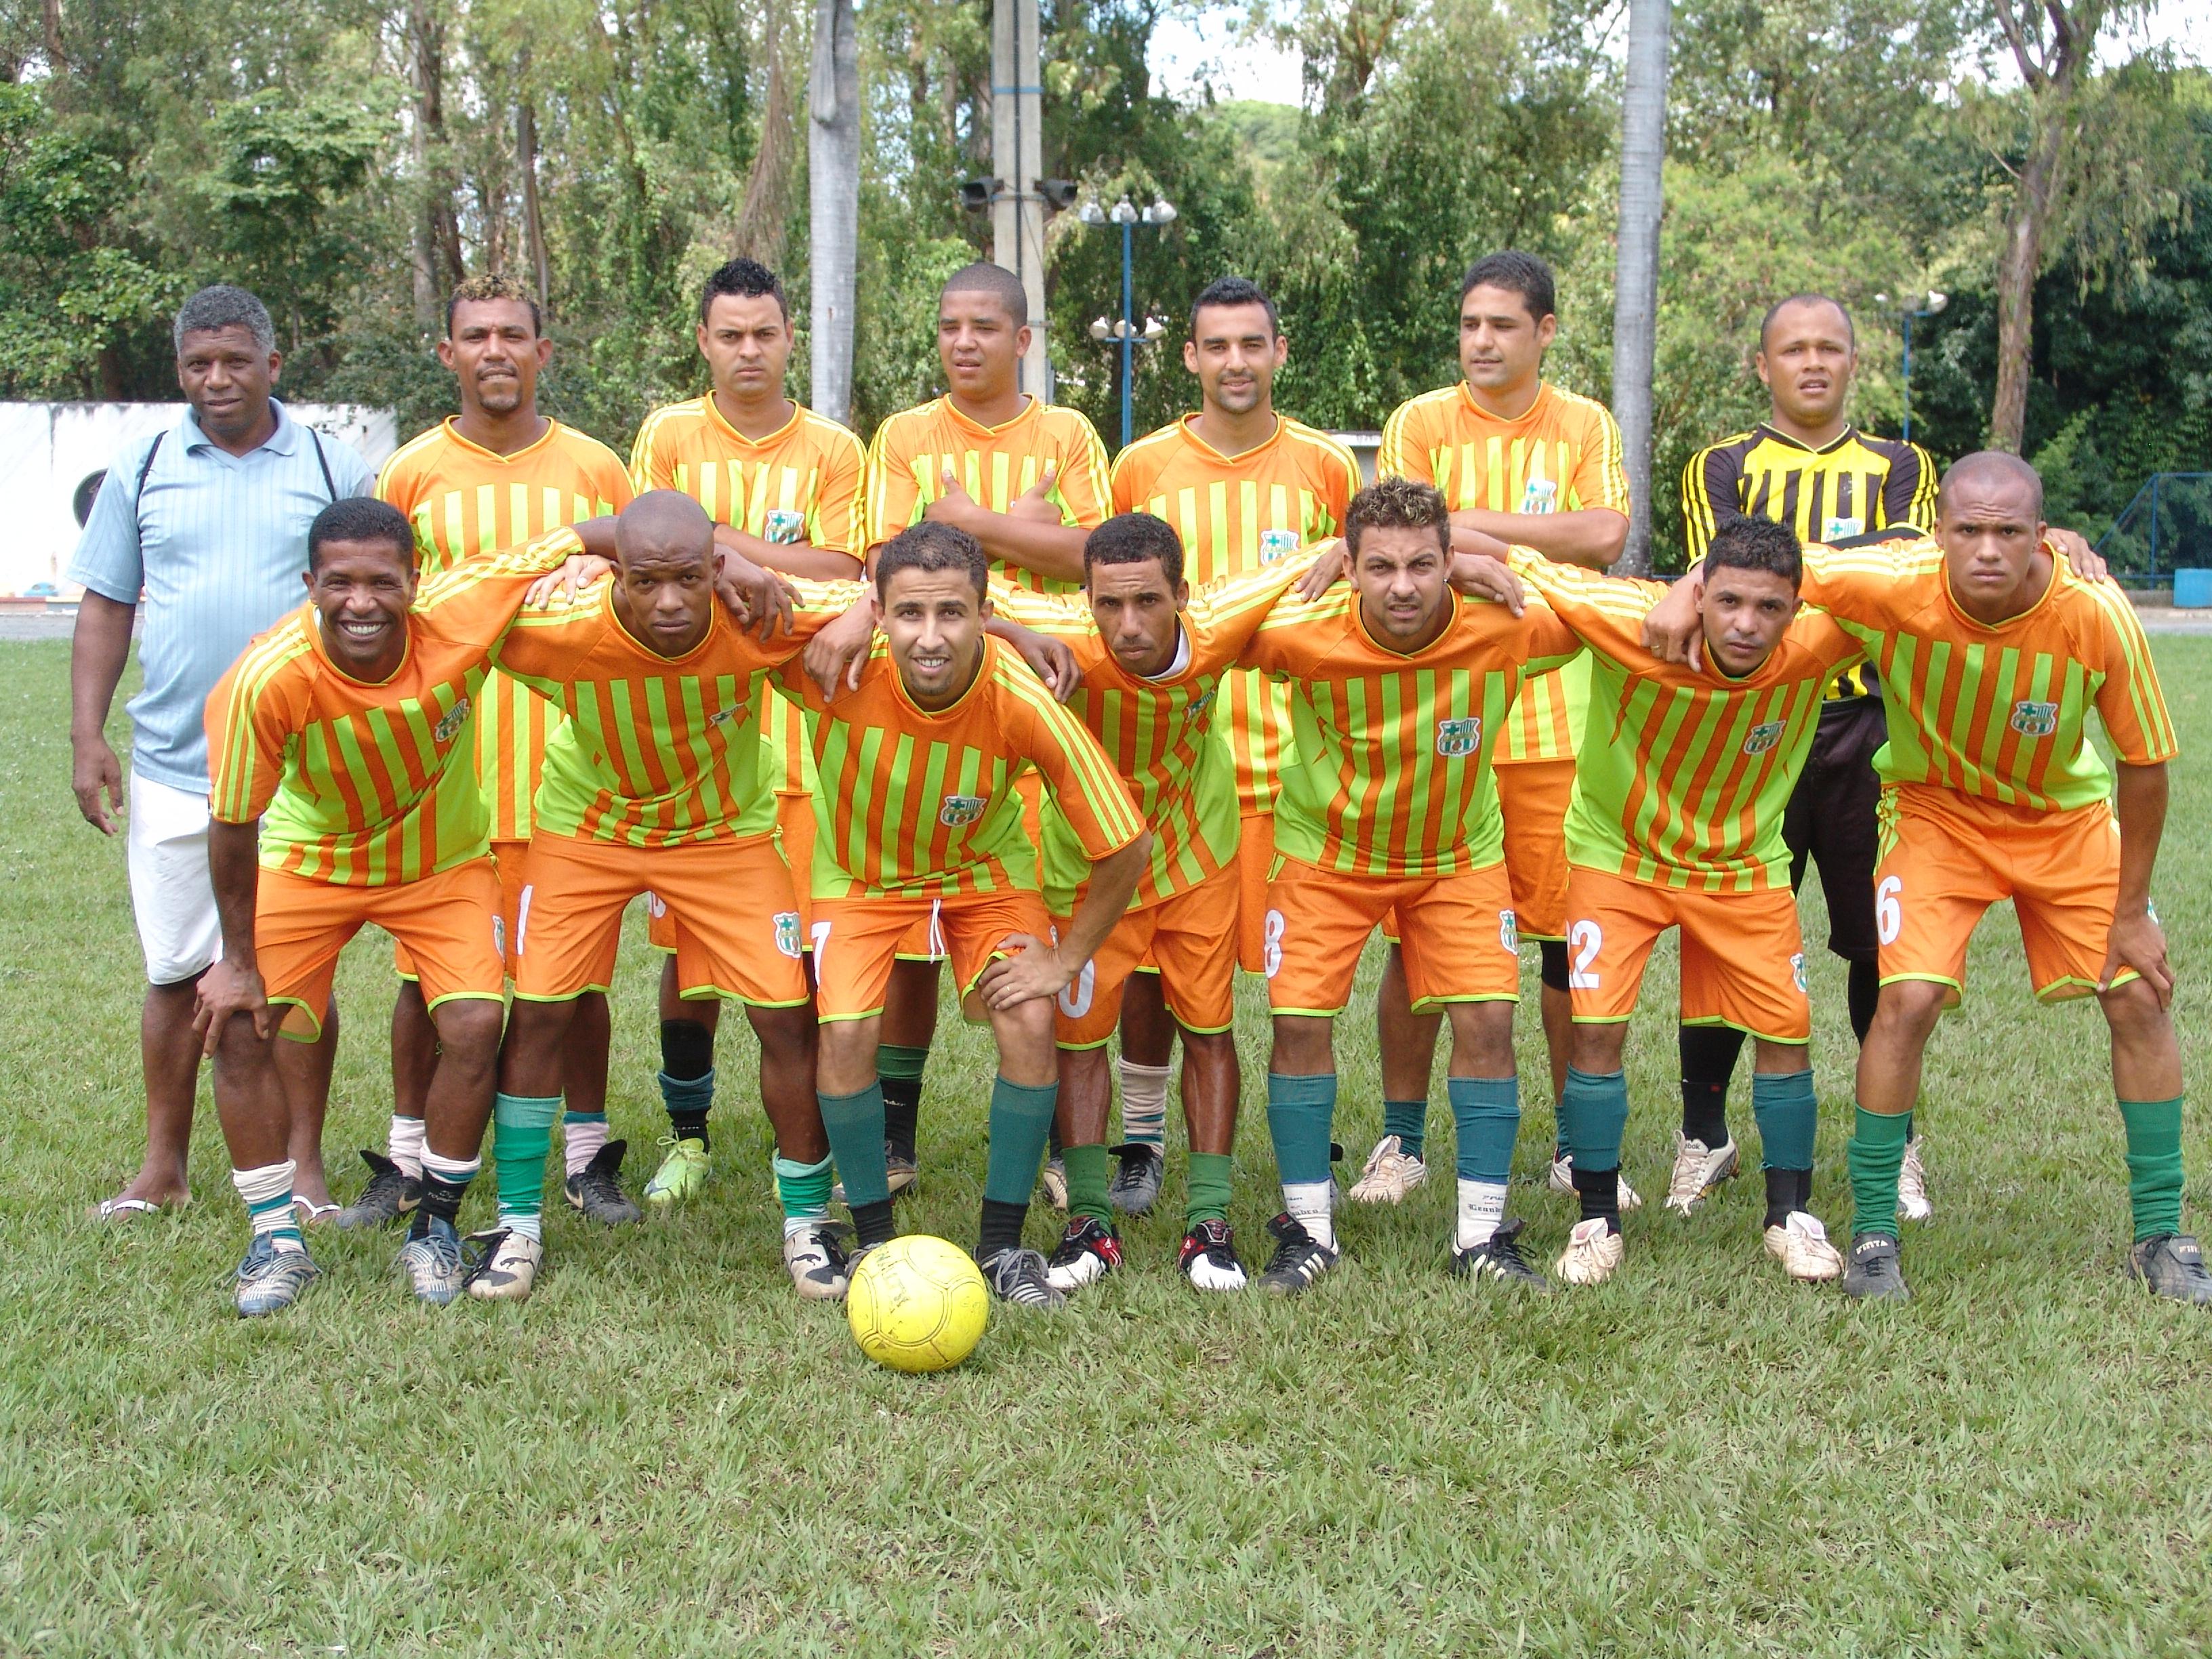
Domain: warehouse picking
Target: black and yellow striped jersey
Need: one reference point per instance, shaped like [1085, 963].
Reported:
[1854, 486]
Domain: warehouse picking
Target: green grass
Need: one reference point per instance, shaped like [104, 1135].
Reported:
[664, 1453]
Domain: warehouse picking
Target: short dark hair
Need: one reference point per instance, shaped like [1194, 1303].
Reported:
[1233, 291]
[1520, 273]
[360, 518]
[492, 286]
[1131, 538]
[1755, 544]
[1397, 504]
[1850, 329]
[927, 546]
[983, 277]
[221, 305]
[744, 279]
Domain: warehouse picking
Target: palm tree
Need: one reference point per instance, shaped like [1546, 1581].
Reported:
[1636, 265]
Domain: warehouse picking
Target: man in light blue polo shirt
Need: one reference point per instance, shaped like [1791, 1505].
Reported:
[208, 520]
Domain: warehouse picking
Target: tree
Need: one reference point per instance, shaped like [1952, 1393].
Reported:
[1635, 281]
[833, 162]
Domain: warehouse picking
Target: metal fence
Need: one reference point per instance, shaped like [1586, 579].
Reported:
[2166, 527]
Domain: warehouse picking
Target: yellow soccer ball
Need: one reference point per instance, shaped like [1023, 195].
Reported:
[917, 1304]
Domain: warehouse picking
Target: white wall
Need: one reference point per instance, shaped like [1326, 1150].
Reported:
[47, 450]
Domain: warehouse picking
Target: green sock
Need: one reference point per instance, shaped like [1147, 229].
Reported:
[1487, 1111]
[1788, 1114]
[521, 1135]
[1205, 1188]
[804, 1188]
[897, 1059]
[1874, 1156]
[1086, 1183]
[1021, 1123]
[1593, 1113]
[1408, 1120]
[854, 1124]
[2154, 1165]
[1301, 1111]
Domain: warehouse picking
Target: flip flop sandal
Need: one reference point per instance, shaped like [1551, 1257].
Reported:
[121, 1209]
[316, 1214]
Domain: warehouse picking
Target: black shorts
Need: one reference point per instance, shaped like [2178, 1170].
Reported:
[1830, 821]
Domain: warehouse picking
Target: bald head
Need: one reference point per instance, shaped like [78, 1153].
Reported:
[664, 526]
[999, 283]
[1992, 478]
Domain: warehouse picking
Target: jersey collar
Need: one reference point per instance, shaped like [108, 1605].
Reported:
[715, 623]
[1359, 621]
[1476, 411]
[315, 639]
[983, 671]
[1773, 435]
[453, 430]
[2009, 623]
[720, 422]
[1031, 406]
[1189, 430]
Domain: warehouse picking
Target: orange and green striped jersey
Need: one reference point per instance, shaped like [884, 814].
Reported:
[466, 500]
[2000, 713]
[1236, 514]
[805, 482]
[655, 751]
[1563, 456]
[1683, 773]
[922, 804]
[363, 785]
[1161, 734]
[995, 465]
[1393, 749]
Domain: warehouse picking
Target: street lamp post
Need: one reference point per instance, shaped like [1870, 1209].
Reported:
[1129, 216]
[1928, 305]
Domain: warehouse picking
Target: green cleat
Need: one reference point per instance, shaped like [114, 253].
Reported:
[682, 1175]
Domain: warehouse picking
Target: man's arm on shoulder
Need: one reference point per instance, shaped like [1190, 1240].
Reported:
[1591, 536]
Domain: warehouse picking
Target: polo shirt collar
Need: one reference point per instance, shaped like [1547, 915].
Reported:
[284, 440]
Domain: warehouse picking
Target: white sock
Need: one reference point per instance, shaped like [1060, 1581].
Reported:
[1481, 1207]
[582, 1135]
[1143, 1102]
[267, 1193]
[529, 1226]
[454, 1171]
[1307, 1202]
[406, 1143]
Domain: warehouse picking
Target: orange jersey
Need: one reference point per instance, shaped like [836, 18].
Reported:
[465, 500]
[363, 785]
[806, 481]
[1234, 515]
[922, 804]
[1997, 713]
[995, 464]
[1563, 456]
[1394, 749]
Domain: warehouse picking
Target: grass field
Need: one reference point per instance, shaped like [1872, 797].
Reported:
[664, 1453]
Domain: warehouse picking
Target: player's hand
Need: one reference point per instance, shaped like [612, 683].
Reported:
[1050, 659]
[2080, 556]
[1480, 576]
[1672, 630]
[837, 653]
[1035, 503]
[1324, 573]
[2138, 942]
[954, 505]
[226, 990]
[96, 776]
[579, 572]
[1035, 971]
[760, 598]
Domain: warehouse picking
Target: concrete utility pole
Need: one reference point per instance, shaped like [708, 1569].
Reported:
[1018, 159]
[1635, 266]
[833, 145]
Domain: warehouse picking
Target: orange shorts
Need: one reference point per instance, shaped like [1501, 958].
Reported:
[736, 919]
[1255, 861]
[1185, 939]
[1743, 960]
[856, 940]
[1458, 935]
[1533, 797]
[507, 860]
[448, 924]
[794, 830]
[1945, 858]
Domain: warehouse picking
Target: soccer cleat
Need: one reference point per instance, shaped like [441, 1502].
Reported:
[1697, 1169]
[1299, 1258]
[1087, 1252]
[1209, 1258]
[815, 1258]
[901, 1175]
[1054, 1180]
[434, 1267]
[1872, 1273]
[682, 1174]
[391, 1193]
[1563, 1180]
[1594, 1251]
[596, 1189]
[509, 1268]
[1019, 1277]
[1912, 1185]
[1136, 1185]
[1801, 1244]
[1499, 1259]
[2171, 1265]
[1391, 1173]
[269, 1280]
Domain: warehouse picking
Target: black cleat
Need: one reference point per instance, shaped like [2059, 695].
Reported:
[1871, 1270]
[1017, 1277]
[1087, 1252]
[1209, 1260]
[1500, 1260]
[1299, 1258]
[392, 1194]
[1136, 1185]
[596, 1190]
[2171, 1265]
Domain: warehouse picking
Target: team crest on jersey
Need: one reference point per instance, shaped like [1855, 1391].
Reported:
[1196, 708]
[1540, 496]
[786, 932]
[1764, 736]
[456, 718]
[721, 714]
[783, 526]
[1797, 971]
[1276, 544]
[1509, 933]
[2034, 720]
[1459, 737]
[957, 812]
[1837, 529]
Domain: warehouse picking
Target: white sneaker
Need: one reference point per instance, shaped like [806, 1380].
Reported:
[1912, 1184]
[1390, 1173]
[1697, 1169]
[1563, 1180]
[1054, 1180]
[1593, 1251]
[815, 1258]
[1801, 1245]
[508, 1272]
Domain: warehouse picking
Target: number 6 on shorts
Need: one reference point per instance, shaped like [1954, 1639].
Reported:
[1889, 914]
